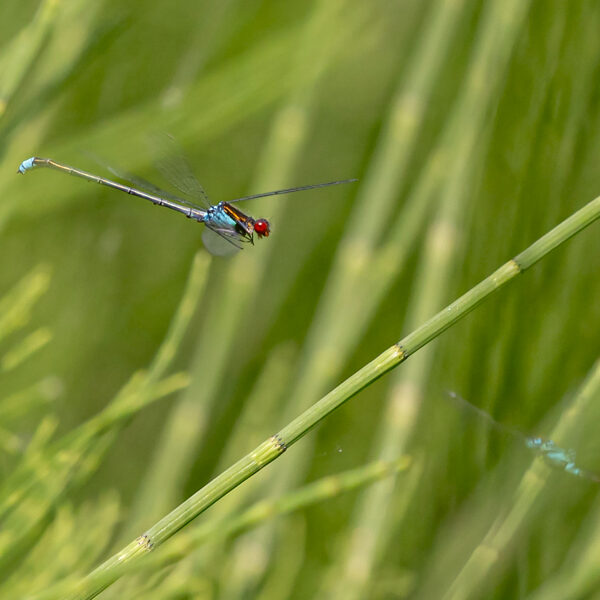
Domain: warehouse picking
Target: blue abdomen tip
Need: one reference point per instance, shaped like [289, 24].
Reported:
[26, 165]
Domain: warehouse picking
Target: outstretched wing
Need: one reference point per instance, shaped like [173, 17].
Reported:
[302, 188]
[177, 171]
[141, 183]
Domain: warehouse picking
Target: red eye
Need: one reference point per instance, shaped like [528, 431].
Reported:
[262, 228]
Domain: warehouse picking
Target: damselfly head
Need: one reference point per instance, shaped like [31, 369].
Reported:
[262, 228]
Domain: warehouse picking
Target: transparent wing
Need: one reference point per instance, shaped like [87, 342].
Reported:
[221, 242]
[177, 171]
[140, 182]
[302, 188]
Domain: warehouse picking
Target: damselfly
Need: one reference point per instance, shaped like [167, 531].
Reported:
[553, 454]
[226, 226]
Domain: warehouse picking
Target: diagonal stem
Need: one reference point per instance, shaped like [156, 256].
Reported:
[274, 446]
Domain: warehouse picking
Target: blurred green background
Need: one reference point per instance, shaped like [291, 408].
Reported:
[472, 127]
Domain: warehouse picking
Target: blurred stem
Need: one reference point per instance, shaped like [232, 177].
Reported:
[16, 305]
[345, 309]
[264, 510]
[25, 348]
[276, 445]
[321, 490]
[17, 59]
[194, 288]
[47, 471]
[459, 155]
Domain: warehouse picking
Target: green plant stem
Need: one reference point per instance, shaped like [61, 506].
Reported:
[260, 512]
[313, 493]
[276, 445]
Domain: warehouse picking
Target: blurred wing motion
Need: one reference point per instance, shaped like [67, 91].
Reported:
[553, 455]
[177, 171]
[137, 181]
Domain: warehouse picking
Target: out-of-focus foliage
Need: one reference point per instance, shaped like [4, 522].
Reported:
[473, 128]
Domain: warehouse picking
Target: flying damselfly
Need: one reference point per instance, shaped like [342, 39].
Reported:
[552, 453]
[226, 226]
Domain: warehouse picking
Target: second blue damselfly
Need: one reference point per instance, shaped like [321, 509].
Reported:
[553, 454]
